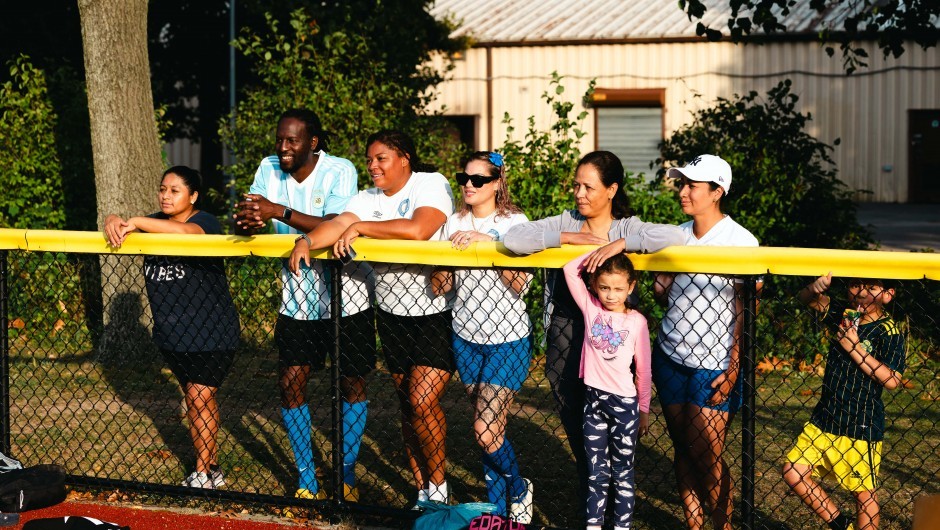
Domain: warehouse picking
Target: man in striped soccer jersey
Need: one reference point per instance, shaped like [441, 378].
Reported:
[844, 435]
[296, 189]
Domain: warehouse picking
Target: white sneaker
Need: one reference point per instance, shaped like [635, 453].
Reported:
[422, 497]
[216, 476]
[521, 510]
[198, 480]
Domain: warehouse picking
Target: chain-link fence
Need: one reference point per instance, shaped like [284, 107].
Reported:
[92, 383]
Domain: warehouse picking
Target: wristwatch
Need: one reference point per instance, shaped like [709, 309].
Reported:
[305, 237]
[287, 213]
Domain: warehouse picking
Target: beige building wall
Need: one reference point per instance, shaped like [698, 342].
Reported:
[867, 111]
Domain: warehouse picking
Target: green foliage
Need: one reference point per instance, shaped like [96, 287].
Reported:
[654, 201]
[897, 23]
[337, 76]
[32, 188]
[541, 170]
[785, 188]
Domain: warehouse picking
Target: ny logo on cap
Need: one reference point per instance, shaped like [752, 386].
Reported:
[695, 161]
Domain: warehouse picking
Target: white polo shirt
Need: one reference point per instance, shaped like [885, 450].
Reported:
[485, 310]
[698, 328]
[405, 289]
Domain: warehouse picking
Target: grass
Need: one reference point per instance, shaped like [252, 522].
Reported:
[126, 422]
[121, 416]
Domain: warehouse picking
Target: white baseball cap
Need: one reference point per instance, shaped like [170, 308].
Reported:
[705, 168]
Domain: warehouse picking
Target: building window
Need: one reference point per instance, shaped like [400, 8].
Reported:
[629, 123]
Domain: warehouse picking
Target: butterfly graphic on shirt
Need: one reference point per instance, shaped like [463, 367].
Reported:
[605, 339]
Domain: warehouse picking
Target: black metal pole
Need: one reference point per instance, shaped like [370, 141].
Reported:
[336, 311]
[748, 358]
[4, 356]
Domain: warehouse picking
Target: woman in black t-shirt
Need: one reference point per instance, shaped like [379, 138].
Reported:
[195, 324]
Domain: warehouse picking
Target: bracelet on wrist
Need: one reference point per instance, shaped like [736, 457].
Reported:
[303, 236]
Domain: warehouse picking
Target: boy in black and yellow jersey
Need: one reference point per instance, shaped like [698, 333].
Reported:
[843, 438]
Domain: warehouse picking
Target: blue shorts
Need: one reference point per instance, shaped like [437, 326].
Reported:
[677, 384]
[505, 365]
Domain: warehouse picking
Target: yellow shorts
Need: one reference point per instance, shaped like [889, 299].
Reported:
[853, 463]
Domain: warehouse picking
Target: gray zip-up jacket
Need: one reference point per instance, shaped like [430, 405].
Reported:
[536, 236]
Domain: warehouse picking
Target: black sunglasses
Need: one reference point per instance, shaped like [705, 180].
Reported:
[477, 180]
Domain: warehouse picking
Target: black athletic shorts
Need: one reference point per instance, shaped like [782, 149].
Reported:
[207, 368]
[311, 342]
[416, 341]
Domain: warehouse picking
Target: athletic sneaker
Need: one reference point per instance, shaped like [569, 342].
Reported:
[216, 476]
[198, 480]
[422, 497]
[304, 493]
[521, 510]
[350, 493]
[9, 519]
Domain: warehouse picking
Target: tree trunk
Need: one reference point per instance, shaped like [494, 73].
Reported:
[125, 149]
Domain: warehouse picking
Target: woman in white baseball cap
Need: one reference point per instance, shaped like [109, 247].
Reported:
[695, 356]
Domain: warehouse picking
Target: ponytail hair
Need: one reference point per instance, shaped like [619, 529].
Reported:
[616, 264]
[403, 145]
[495, 167]
[611, 171]
[190, 177]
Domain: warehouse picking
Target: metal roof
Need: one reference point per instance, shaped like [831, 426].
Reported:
[496, 21]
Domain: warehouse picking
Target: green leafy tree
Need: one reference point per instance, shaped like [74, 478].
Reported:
[339, 78]
[785, 188]
[890, 23]
[32, 196]
[540, 169]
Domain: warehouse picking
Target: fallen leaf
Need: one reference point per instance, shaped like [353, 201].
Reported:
[62, 307]
[162, 454]
[59, 324]
[17, 323]
[907, 383]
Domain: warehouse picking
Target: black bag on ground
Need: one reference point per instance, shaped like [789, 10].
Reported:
[72, 523]
[32, 488]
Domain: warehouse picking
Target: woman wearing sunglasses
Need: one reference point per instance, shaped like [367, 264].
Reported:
[603, 217]
[491, 333]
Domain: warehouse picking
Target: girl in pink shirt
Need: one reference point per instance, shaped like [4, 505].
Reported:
[617, 402]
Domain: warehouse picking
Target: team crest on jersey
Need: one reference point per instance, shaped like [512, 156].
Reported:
[318, 199]
[403, 207]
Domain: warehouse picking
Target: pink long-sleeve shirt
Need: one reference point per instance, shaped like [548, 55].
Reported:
[612, 341]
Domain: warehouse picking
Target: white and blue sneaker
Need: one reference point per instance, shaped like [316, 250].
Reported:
[521, 510]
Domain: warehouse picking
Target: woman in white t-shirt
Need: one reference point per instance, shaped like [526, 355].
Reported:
[492, 342]
[414, 324]
[695, 359]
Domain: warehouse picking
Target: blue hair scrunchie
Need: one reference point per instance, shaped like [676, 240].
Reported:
[496, 159]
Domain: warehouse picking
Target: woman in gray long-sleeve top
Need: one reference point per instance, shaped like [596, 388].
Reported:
[603, 217]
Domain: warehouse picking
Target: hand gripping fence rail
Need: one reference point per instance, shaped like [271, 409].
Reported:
[132, 370]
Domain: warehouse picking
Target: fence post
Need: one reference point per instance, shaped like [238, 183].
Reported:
[336, 312]
[747, 356]
[4, 356]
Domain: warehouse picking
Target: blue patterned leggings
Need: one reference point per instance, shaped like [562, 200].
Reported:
[610, 437]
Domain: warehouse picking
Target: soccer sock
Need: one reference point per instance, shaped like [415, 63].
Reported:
[839, 523]
[503, 461]
[495, 489]
[354, 425]
[437, 492]
[297, 422]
